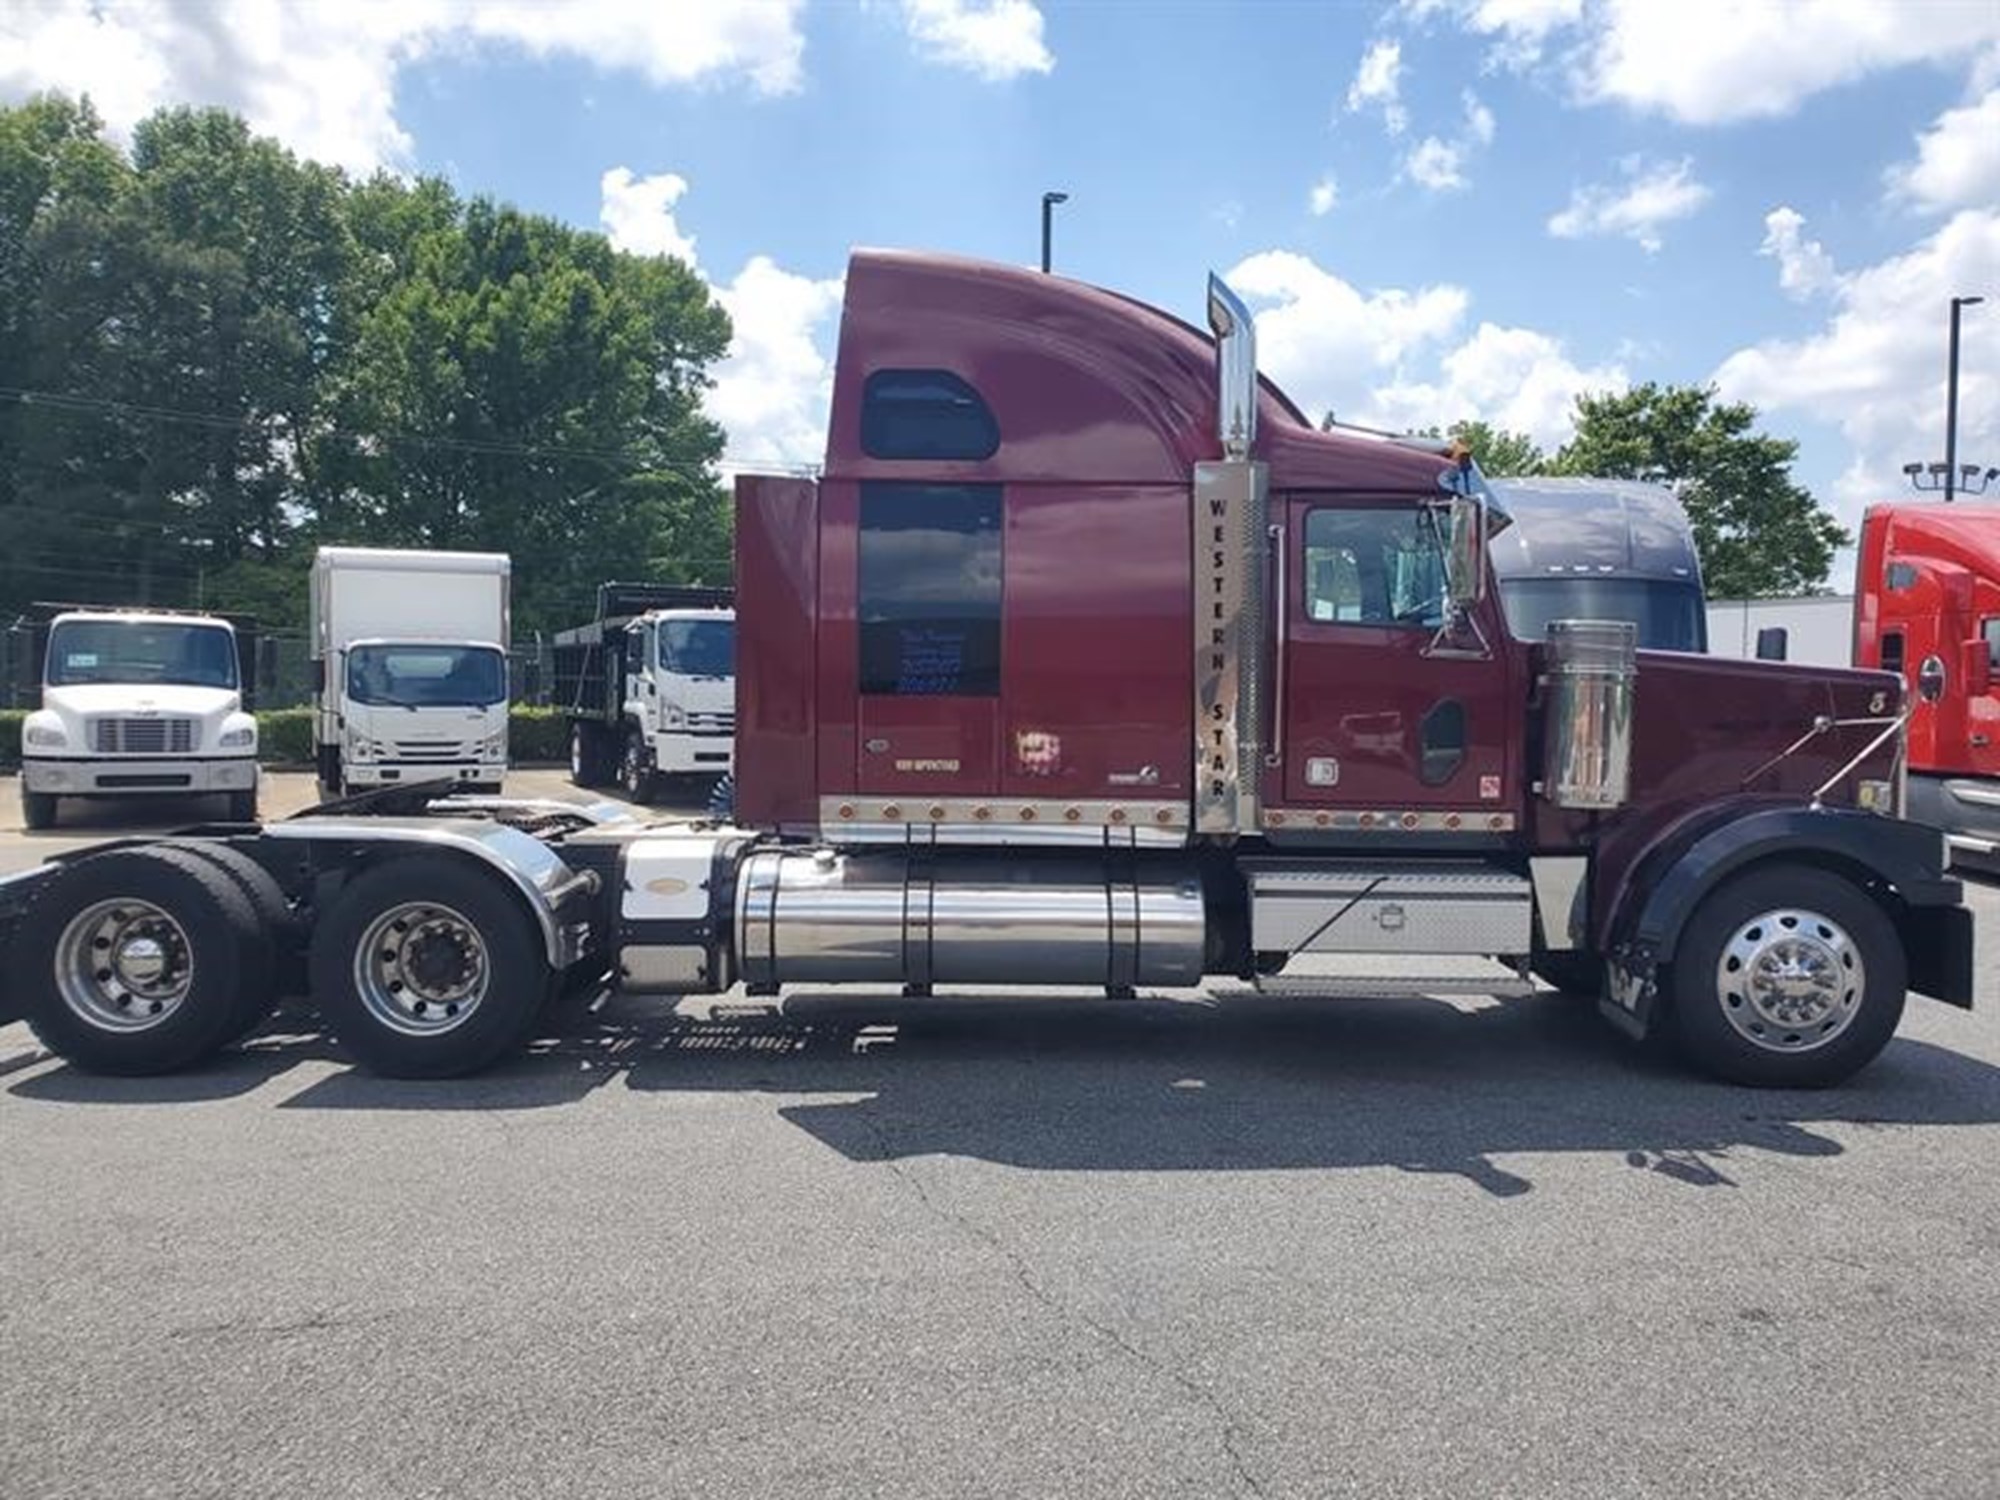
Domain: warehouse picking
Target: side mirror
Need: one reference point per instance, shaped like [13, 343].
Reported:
[1977, 664]
[1465, 557]
[1772, 643]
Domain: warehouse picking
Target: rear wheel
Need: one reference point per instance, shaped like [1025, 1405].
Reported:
[1787, 977]
[140, 960]
[38, 810]
[426, 967]
[275, 921]
[635, 768]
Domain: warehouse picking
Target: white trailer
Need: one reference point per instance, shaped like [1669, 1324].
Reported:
[138, 703]
[410, 662]
[1814, 630]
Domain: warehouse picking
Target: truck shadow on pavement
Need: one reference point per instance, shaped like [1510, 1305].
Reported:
[1149, 1086]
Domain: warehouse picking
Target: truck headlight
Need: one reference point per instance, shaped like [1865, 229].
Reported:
[238, 738]
[44, 736]
[671, 716]
[493, 746]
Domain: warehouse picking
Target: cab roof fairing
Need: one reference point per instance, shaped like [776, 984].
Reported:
[1086, 385]
[1623, 528]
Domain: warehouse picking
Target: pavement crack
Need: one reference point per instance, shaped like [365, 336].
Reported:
[1229, 1430]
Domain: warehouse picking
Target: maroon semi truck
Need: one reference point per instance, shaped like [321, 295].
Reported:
[1089, 662]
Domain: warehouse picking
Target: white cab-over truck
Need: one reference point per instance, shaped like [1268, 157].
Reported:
[650, 686]
[410, 662]
[138, 703]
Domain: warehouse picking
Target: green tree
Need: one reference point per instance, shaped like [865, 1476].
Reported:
[1759, 533]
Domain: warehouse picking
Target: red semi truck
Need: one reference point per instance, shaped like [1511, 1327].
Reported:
[1090, 662]
[1926, 606]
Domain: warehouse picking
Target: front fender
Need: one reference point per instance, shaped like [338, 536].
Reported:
[1902, 862]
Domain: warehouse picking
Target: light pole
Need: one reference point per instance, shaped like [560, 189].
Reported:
[1050, 200]
[1950, 394]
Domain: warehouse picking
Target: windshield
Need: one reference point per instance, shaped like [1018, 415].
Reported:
[1668, 613]
[421, 676]
[131, 651]
[698, 648]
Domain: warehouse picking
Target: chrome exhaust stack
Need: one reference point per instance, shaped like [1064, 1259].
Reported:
[1235, 369]
[1231, 541]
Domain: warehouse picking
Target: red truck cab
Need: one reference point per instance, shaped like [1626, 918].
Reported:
[1927, 607]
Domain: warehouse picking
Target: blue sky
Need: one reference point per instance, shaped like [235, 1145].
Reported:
[1441, 208]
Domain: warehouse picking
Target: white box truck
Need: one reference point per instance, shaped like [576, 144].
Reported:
[410, 662]
[138, 703]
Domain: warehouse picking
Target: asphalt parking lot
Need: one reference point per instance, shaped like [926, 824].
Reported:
[967, 1247]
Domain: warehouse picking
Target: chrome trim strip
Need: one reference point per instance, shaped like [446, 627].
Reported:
[525, 862]
[1461, 820]
[1227, 523]
[995, 820]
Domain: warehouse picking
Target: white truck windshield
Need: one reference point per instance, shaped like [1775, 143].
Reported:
[698, 648]
[426, 676]
[141, 651]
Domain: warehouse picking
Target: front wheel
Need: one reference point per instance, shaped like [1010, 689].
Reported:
[635, 768]
[426, 967]
[1786, 977]
[38, 810]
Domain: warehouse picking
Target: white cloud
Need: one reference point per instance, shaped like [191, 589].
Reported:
[1958, 159]
[1437, 165]
[1761, 59]
[1650, 197]
[995, 39]
[1396, 359]
[1875, 369]
[1804, 267]
[1516, 378]
[1764, 59]
[1478, 119]
[322, 78]
[1324, 195]
[771, 394]
[638, 213]
[1378, 83]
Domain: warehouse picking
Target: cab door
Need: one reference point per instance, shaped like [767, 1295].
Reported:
[1385, 719]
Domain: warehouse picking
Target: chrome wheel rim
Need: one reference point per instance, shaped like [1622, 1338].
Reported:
[1790, 980]
[421, 968]
[124, 965]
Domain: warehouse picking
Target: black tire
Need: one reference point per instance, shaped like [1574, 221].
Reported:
[722, 799]
[1574, 973]
[635, 768]
[1819, 923]
[586, 754]
[38, 810]
[515, 972]
[243, 807]
[228, 957]
[275, 919]
[328, 757]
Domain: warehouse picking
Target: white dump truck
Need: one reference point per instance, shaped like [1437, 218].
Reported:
[138, 703]
[410, 663]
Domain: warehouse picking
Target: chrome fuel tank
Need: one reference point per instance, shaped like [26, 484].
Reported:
[827, 917]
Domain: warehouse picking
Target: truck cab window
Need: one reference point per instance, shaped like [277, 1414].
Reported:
[930, 559]
[1374, 567]
[1892, 651]
[1992, 634]
[925, 414]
